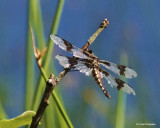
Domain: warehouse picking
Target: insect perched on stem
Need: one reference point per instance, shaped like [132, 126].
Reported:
[86, 62]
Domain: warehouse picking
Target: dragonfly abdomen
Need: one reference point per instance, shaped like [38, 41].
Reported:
[98, 79]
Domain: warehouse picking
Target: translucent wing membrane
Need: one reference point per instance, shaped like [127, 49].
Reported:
[66, 62]
[79, 53]
[66, 46]
[115, 82]
[83, 68]
[58, 41]
[119, 69]
[86, 63]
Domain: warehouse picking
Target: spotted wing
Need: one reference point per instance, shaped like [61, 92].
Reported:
[66, 46]
[115, 82]
[119, 69]
[67, 62]
[84, 66]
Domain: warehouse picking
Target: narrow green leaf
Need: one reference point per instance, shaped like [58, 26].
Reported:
[30, 74]
[39, 88]
[2, 112]
[47, 61]
[37, 22]
[121, 106]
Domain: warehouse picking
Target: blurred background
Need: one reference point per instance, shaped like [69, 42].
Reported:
[133, 31]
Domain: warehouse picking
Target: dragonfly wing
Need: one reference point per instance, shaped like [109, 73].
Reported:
[119, 69]
[115, 82]
[66, 46]
[67, 62]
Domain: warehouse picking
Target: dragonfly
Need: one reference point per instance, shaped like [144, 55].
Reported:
[89, 64]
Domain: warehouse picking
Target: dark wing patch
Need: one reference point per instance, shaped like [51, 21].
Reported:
[66, 46]
[67, 62]
[119, 69]
[120, 83]
[122, 69]
[115, 82]
[69, 46]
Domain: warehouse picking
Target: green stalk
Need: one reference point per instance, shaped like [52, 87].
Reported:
[50, 46]
[2, 111]
[37, 22]
[57, 17]
[62, 110]
[121, 106]
[30, 70]
[46, 66]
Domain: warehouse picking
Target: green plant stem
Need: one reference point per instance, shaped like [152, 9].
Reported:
[49, 53]
[62, 111]
[37, 22]
[29, 74]
[46, 63]
[121, 106]
[57, 17]
[2, 111]
[120, 116]
[54, 28]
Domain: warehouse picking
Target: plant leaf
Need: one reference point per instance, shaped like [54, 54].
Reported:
[21, 120]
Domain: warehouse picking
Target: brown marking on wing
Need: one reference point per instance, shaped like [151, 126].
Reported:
[105, 62]
[120, 83]
[104, 72]
[88, 63]
[89, 54]
[122, 69]
[69, 46]
[72, 61]
[98, 79]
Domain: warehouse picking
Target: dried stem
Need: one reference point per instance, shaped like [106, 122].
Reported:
[38, 55]
[50, 85]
